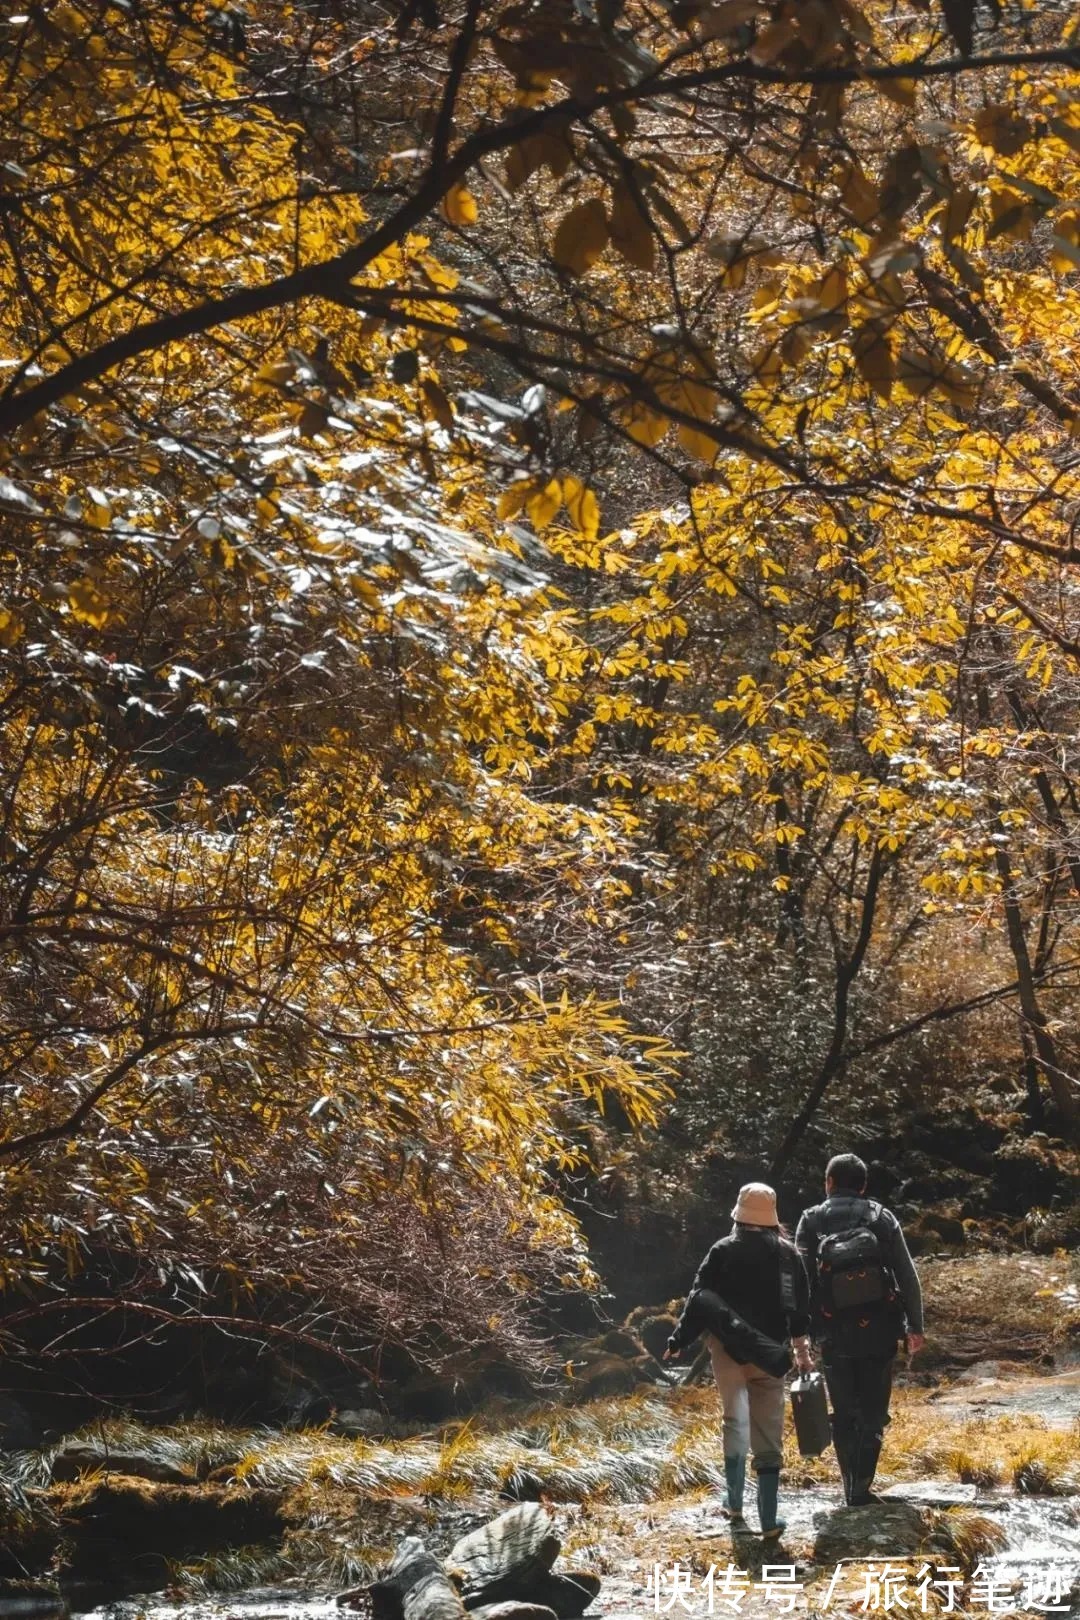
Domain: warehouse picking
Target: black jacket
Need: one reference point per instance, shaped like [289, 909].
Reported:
[744, 1270]
[845, 1209]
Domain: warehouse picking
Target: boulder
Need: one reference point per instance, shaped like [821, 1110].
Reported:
[506, 1558]
[513, 1611]
[878, 1530]
[655, 1331]
[415, 1587]
[568, 1592]
[365, 1423]
[609, 1375]
[942, 1228]
[617, 1342]
[81, 1457]
[648, 1372]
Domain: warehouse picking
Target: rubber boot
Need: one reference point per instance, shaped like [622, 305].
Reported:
[863, 1470]
[768, 1488]
[735, 1474]
[843, 1457]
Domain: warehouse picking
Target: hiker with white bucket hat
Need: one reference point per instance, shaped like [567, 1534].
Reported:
[751, 1296]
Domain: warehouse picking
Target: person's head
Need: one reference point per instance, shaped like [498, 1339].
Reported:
[756, 1206]
[845, 1172]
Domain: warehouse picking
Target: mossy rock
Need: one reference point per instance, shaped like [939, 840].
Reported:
[127, 1532]
[618, 1342]
[655, 1331]
[944, 1228]
[886, 1528]
[608, 1376]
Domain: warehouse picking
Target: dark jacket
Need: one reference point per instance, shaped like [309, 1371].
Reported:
[706, 1312]
[744, 1270]
[844, 1209]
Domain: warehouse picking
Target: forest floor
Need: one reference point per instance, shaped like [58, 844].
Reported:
[984, 1439]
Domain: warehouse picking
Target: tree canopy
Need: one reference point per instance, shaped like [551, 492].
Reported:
[539, 553]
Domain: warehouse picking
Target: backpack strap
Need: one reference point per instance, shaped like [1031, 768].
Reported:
[788, 1298]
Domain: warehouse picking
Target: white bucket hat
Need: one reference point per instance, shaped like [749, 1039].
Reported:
[756, 1205]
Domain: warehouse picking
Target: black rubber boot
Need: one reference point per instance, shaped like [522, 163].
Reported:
[863, 1470]
[842, 1447]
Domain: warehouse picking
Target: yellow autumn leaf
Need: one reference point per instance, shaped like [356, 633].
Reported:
[87, 603]
[582, 506]
[458, 206]
[512, 500]
[543, 504]
[581, 237]
[645, 426]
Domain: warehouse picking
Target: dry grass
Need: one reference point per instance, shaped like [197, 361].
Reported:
[648, 1447]
[996, 1303]
[1016, 1449]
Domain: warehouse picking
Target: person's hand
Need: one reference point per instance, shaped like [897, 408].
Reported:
[915, 1342]
[804, 1361]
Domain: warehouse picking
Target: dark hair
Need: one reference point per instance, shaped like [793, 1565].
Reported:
[847, 1171]
[780, 1229]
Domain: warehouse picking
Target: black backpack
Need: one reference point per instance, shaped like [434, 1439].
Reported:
[852, 1273]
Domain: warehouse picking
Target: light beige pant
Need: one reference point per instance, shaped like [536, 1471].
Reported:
[753, 1403]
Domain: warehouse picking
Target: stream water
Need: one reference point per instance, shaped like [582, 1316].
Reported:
[1040, 1560]
[635, 1545]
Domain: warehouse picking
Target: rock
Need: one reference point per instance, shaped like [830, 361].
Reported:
[569, 1592]
[978, 1370]
[888, 1530]
[931, 1493]
[513, 1611]
[947, 1228]
[433, 1397]
[365, 1424]
[610, 1375]
[648, 1372]
[618, 1342]
[655, 1331]
[505, 1559]
[415, 1587]
[81, 1457]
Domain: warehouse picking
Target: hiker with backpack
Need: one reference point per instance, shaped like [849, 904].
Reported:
[750, 1296]
[866, 1297]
